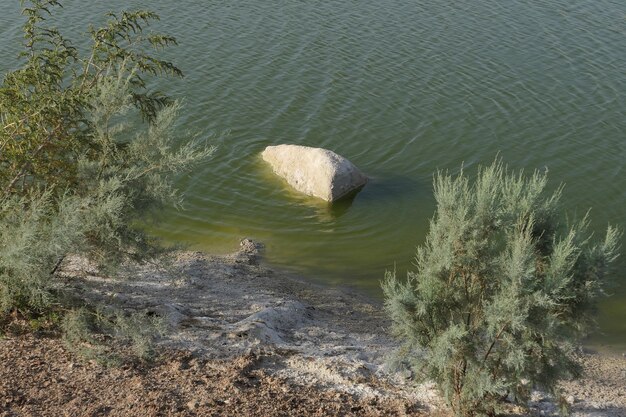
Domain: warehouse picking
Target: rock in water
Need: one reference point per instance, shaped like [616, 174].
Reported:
[314, 171]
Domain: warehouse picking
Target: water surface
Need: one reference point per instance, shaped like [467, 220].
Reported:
[402, 88]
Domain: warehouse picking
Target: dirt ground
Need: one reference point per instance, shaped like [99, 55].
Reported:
[39, 377]
[245, 340]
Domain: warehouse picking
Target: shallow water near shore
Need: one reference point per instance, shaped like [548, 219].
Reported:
[402, 88]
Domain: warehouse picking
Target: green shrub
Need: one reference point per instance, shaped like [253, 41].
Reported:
[97, 335]
[502, 291]
[87, 154]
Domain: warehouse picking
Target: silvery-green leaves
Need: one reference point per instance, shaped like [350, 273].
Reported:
[87, 152]
[503, 289]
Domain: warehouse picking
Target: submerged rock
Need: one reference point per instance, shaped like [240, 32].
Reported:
[314, 171]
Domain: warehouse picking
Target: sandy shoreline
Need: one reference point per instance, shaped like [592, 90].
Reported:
[332, 341]
[225, 306]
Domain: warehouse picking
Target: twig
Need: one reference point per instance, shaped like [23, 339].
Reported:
[494, 342]
[58, 264]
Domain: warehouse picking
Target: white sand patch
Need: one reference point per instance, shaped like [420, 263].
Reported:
[226, 306]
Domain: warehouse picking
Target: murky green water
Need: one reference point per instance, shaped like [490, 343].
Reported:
[400, 87]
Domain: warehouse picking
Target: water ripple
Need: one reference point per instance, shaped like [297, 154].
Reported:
[402, 88]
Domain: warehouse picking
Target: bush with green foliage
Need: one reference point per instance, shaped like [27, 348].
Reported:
[502, 291]
[87, 153]
[84, 332]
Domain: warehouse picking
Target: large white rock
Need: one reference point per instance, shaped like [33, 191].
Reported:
[314, 171]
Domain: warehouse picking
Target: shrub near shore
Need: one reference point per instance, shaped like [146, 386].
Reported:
[87, 152]
[502, 292]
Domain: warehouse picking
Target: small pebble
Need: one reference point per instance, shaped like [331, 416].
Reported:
[192, 404]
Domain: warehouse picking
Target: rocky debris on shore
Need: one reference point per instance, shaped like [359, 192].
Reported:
[328, 340]
[223, 307]
[314, 171]
[39, 377]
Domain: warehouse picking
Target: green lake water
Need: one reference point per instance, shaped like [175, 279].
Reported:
[400, 87]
